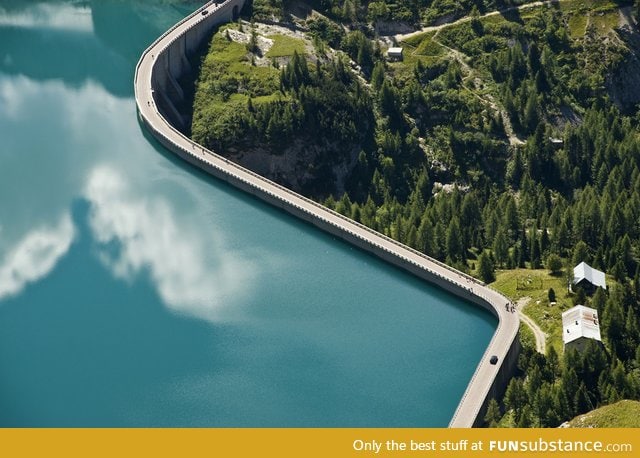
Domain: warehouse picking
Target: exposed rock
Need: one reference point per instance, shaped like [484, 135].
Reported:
[295, 169]
[623, 82]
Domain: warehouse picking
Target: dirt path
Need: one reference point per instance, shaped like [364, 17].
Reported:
[431, 28]
[539, 334]
[487, 99]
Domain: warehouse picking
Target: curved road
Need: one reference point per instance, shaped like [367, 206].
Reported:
[538, 334]
[211, 162]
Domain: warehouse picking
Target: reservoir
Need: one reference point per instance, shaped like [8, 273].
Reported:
[136, 290]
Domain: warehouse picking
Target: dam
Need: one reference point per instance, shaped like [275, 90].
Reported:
[159, 97]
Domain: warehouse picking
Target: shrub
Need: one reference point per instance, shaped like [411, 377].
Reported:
[554, 263]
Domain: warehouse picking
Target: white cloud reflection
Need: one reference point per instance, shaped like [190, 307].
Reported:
[191, 270]
[63, 17]
[35, 256]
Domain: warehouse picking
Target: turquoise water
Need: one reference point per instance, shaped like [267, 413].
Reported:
[137, 291]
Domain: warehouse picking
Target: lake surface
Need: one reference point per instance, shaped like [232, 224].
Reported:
[137, 291]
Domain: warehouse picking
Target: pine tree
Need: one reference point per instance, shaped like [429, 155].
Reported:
[580, 253]
[553, 362]
[535, 248]
[631, 334]
[455, 248]
[377, 76]
[525, 420]
[492, 417]
[544, 240]
[581, 400]
[531, 117]
[486, 269]
[554, 264]
[524, 247]
[599, 300]
[500, 248]
[613, 322]
[424, 239]
[514, 397]
[511, 220]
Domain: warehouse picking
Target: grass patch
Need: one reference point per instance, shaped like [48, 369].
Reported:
[268, 98]
[622, 414]
[227, 72]
[284, 45]
[584, 5]
[227, 80]
[604, 22]
[428, 47]
[577, 25]
[403, 70]
[223, 50]
[418, 38]
[519, 283]
[527, 339]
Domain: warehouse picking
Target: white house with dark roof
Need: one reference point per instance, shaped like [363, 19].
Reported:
[579, 325]
[588, 278]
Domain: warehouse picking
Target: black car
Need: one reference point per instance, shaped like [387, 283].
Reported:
[494, 360]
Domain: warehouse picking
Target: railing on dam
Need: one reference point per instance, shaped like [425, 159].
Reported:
[504, 342]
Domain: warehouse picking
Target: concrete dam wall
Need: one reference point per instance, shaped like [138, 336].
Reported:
[172, 62]
[159, 98]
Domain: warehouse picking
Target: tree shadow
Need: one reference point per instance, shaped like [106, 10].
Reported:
[511, 15]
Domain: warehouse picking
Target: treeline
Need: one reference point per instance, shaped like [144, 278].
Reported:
[581, 203]
[363, 11]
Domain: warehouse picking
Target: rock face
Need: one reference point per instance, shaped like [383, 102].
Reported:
[623, 83]
[296, 167]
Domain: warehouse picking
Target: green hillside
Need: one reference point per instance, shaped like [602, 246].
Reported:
[623, 414]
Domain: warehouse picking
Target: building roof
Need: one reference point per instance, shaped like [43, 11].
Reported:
[580, 321]
[394, 51]
[584, 271]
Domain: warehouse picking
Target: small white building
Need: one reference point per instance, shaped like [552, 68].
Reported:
[579, 324]
[588, 278]
[394, 53]
[556, 142]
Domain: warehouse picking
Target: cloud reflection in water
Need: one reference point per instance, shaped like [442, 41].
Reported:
[192, 271]
[43, 16]
[35, 256]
